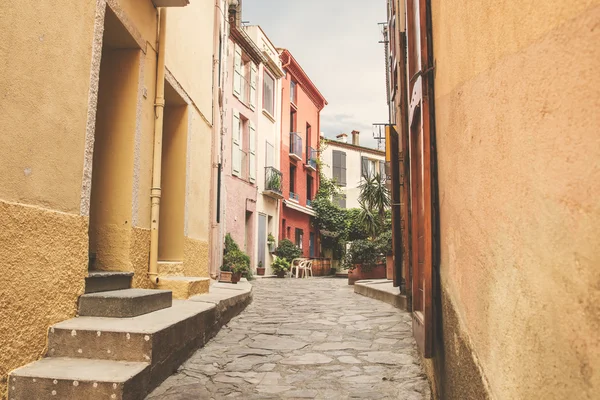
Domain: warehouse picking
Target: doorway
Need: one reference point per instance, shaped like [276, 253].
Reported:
[262, 239]
[173, 177]
[114, 142]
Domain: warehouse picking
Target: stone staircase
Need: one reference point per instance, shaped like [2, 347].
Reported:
[123, 343]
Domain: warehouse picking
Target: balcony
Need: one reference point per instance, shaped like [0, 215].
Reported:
[295, 146]
[294, 196]
[273, 183]
[311, 162]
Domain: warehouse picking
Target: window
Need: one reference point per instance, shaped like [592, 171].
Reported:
[299, 237]
[293, 89]
[292, 179]
[308, 152]
[292, 121]
[370, 167]
[339, 167]
[309, 187]
[252, 153]
[236, 144]
[245, 75]
[268, 93]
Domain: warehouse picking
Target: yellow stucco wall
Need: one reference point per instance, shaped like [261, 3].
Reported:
[33, 54]
[195, 258]
[517, 115]
[43, 263]
[192, 65]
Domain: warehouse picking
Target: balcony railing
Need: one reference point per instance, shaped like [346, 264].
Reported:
[273, 182]
[294, 196]
[295, 146]
[311, 161]
[308, 202]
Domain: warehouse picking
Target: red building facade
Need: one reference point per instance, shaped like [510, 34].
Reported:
[300, 126]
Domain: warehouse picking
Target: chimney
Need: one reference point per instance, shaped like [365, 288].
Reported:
[355, 138]
[342, 137]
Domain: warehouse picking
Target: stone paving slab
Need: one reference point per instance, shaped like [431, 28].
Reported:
[305, 339]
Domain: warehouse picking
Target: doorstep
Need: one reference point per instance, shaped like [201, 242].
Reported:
[381, 289]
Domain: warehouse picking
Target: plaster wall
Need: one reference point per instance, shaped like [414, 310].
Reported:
[192, 64]
[239, 193]
[516, 102]
[42, 158]
[306, 113]
[43, 262]
[353, 168]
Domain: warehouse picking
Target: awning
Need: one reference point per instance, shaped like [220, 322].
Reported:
[298, 207]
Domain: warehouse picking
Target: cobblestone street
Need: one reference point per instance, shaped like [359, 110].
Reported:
[305, 338]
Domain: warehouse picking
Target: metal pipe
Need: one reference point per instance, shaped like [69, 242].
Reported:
[159, 107]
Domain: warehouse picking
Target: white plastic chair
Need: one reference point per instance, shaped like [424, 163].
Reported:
[299, 264]
[307, 268]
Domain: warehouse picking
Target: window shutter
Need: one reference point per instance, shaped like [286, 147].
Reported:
[252, 166]
[253, 77]
[336, 166]
[237, 73]
[343, 169]
[365, 167]
[236, 156]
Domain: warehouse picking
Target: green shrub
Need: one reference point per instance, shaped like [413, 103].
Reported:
[383, 243]
[288, 250]
[234, 259]
[364, 252]
[355, 229]
[280, 265]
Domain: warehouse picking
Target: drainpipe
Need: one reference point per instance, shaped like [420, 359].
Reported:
[159, 108]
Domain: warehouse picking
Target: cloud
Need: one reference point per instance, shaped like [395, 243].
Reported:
[337, 44]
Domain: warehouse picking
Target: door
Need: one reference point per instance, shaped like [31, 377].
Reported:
[262, 239]
[419, 124]
[393, 177]
[311, 245]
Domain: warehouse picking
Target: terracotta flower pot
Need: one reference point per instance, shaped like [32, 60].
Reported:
[260, 271]
[280, 274]
[236, 276]
[359, 273]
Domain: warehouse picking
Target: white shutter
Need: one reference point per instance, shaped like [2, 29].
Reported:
[253, 78]
[237, 73]
[252, 139]
[236, 151]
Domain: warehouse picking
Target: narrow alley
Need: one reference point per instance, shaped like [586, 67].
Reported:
[312, 338]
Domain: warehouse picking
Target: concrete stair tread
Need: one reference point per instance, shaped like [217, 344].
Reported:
[126, 293]
[81, 369]
[184, 278]
[147, 323]
[124, 303]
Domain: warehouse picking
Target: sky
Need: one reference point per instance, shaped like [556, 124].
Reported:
[337, 43]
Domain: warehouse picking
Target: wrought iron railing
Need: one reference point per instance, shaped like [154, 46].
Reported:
[296, 145]
[308, 202]
[273, 179]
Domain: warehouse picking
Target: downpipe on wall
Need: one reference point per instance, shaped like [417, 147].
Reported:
[159, 108]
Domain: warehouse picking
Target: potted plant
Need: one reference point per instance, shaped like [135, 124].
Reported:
[260, 270]
[364, 261]
[235, 261]
[288, 250]
[271, 243]
[280, 266]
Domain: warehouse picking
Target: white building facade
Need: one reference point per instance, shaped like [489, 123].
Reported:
[348, 164]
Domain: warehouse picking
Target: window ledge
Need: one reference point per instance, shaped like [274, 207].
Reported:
[268, 115]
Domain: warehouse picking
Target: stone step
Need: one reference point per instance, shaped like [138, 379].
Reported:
[104, 281]
[124, 303]
[68, 378]
[184, 287]
[145, 338]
